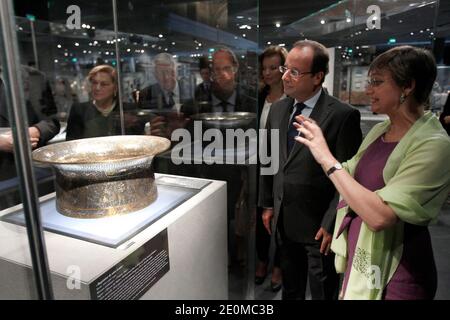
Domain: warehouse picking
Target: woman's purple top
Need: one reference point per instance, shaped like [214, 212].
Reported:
[416, 276]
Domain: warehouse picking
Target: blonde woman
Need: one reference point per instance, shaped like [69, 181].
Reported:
[101, 116]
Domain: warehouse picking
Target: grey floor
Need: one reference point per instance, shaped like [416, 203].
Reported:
[440, 236]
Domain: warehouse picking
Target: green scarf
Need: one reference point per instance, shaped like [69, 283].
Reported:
[417, 182]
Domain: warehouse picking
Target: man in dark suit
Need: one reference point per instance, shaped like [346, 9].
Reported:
[225, 95]
[41, 129]
[168, 93]
[299, 201]
[203, 90]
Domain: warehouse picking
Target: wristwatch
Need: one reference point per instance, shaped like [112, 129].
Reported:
[337, 166]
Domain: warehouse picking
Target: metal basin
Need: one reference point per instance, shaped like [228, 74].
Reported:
[226, 120]
[5, 131]
[105, 176]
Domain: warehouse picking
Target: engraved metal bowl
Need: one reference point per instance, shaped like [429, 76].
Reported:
[226, 120]
[104, 176]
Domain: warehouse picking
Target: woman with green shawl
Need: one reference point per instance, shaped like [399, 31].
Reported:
[393, 188]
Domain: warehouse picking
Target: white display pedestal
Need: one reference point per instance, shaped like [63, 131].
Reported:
[197, 250]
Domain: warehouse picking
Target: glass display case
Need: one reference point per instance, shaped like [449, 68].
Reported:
[186, 71]
[133, 67]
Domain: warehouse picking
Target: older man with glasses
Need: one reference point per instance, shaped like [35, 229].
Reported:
[299, 200]
[170, 91]
[226, 95]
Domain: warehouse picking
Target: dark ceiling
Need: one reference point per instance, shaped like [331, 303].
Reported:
[185, 22]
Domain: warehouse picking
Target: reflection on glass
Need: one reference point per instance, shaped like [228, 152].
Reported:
[101, 116]
[42, 126]
[169, 91]
[188, 59]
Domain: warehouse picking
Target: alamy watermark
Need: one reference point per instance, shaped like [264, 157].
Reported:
[73, 281]
[237, 147]
[74, 20]
[374, 280]
[374, 20]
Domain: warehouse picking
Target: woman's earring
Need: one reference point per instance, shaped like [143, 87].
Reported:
[402, 98]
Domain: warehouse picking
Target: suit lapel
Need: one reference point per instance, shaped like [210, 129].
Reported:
[319, 114]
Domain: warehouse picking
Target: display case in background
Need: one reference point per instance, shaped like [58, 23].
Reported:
[356, 31]
[61, 42]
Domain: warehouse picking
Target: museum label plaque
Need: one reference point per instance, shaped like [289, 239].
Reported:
[136, 274]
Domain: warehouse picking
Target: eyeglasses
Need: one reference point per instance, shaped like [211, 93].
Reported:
[293, 72]
[373, 82]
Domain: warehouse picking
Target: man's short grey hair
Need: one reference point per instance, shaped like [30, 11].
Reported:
[164, 58]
